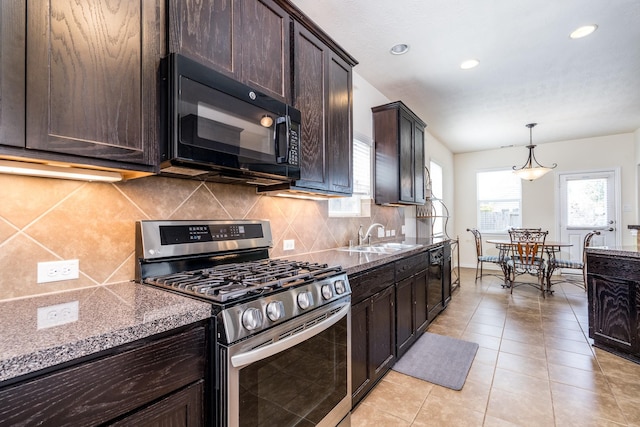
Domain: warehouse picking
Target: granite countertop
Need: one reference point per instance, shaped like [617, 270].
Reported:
[108, 316]
[354, 262]
[112, 315]
[621, 251]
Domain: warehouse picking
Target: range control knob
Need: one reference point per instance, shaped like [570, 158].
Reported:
[341, 287]
[275, 310]
[252, 319]
[305, 300]
[327, 292]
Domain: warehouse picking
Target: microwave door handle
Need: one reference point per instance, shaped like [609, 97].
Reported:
[287, 122]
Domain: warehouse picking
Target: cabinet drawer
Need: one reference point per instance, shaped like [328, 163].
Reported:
[98, 391]
[371, 282]
[409, 266]
[621, 268]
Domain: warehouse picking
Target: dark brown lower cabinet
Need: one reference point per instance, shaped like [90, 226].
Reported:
[411, 310]
[411, 300]
[613, 292]
[372, 341]
[157, 381]
[391, 307]
[182, 408]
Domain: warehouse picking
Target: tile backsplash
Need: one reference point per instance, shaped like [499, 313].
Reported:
[52, 219]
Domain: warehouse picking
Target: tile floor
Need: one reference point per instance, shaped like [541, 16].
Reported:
[535, 367]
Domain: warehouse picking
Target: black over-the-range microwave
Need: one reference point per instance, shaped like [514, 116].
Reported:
[217, 129]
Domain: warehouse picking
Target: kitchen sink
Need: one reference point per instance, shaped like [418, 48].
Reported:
[380, 248]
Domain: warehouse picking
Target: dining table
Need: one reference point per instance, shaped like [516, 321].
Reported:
[550, 248]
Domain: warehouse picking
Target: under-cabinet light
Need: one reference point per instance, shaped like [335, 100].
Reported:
[62, 172]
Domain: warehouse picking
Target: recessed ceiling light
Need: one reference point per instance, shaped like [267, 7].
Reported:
[583, 31]
[469, 63]
[400, 49]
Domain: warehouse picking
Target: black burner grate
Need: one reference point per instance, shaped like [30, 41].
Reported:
[237, 280]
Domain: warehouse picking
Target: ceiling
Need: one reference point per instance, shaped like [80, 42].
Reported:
[530, 70]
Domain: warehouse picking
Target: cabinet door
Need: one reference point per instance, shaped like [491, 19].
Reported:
[91, 78]
[614, 312]
[12, 85]
[360, 375]
[181, 409]
[339, 127]
[420, 289]
[207, 31]
[382, 332]
[418, 143]
[407, 166]
[405, 306]
[265, 48]
[310, 98]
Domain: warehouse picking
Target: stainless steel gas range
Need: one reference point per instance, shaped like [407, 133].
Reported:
[281, 328]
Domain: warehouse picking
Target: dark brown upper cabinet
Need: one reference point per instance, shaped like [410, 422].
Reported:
[323, 93]
[399, 146]
[91, 70]
[244, 39]
[12, 84]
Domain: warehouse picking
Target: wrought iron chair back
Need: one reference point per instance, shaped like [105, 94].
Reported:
[526, 254]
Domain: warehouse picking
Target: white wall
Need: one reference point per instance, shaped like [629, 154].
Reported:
[437, 152]
[365, 96]
[539, 197]
[637, 145]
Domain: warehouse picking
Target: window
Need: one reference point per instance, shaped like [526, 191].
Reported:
[435, 173]
[359, 204]
[499, 201]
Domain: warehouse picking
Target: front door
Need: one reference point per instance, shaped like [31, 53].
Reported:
[588, 201]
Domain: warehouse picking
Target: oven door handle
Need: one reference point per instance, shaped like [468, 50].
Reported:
[243, 359]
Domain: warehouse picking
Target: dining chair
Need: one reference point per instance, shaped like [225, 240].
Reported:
[577, 278]
[527, 247]
[480, 257]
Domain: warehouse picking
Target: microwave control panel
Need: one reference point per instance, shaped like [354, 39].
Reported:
[294, 145]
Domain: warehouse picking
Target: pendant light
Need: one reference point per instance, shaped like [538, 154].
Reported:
[532, 169]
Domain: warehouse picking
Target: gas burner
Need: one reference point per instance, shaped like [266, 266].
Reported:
[234, 281]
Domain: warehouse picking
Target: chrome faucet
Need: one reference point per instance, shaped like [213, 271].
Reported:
[367, 235]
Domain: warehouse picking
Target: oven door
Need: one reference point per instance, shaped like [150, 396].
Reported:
[295, 374]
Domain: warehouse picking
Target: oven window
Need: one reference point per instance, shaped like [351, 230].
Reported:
[299, 386]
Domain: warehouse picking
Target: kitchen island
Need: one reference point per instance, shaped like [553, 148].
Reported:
[613, 287]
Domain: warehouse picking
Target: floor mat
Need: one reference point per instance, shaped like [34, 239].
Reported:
[438, 359]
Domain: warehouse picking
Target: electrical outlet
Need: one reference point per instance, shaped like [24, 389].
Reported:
[288, 245]
[393, 232]
[380, 232]
[59, 314]
[55, 271]
[402, 230]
